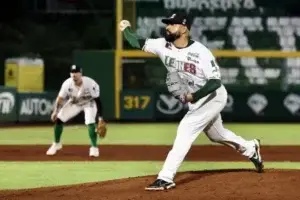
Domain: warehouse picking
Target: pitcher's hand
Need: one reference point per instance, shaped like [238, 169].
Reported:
[124, 24]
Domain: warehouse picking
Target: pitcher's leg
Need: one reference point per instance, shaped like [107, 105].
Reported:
[216, 132]
[186, 135]
[188, 130]
[190, 127]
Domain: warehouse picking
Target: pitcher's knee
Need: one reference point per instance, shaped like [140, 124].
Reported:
[216, 134]
[215, 137]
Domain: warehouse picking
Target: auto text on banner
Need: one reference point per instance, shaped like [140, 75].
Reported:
[36, 106]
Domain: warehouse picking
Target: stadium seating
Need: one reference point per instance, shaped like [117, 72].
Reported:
[243, 33]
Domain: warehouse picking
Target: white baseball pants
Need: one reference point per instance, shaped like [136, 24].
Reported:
[204, 116]
[70, 110]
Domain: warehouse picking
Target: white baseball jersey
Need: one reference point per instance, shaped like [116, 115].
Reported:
[83, 94]
[195, 63]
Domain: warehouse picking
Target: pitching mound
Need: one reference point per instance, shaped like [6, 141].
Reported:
[223, 184]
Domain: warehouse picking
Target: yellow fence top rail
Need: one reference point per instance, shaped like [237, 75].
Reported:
[224, 53]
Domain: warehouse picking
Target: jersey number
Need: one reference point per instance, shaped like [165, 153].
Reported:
[214, 66]
[189, 67]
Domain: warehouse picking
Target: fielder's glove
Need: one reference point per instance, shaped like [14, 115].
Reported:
[101, 128]
[176, 86]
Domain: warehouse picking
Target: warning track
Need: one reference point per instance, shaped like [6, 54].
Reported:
[141, 153]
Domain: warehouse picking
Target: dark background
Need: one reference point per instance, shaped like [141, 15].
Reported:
[31, 28]
[53, 29]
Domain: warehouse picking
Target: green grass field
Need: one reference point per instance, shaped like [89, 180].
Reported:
[16, 175]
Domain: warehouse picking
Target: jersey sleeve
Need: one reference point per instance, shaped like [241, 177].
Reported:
[63, 90]
[210, 67]
[154, 45]
[95, 89]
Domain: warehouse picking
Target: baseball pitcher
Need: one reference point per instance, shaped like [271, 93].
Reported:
[193, 78]
[78, 93]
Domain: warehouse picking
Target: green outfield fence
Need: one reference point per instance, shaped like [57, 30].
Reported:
[157, 105]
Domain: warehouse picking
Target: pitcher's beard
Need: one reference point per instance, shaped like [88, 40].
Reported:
[171, 37]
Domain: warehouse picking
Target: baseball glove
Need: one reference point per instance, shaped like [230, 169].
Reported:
[101, 128]
[176, 86]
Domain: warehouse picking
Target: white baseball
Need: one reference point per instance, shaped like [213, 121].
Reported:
[124, 24]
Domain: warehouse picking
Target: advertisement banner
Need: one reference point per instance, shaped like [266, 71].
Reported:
[247, 106]
[168, 108]
[8, 104]
[35, 106]
[268, 106]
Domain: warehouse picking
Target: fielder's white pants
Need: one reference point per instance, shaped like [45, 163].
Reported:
[204, 116]
[70, 110]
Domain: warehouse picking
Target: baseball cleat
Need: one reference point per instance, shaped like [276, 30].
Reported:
[256, 158]
[54, 148]
[94, 152]
[159, 185]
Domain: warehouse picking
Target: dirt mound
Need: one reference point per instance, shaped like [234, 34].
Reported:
[222, 184]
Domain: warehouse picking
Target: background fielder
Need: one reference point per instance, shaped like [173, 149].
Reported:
[80, 93]
[194, 78]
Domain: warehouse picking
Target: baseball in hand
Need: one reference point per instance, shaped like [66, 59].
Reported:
[189, 97]
[124, 24]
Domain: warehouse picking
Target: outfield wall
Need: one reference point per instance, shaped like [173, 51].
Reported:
[246, 103]
[153, 105]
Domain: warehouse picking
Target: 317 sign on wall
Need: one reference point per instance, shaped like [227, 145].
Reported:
[137, 104]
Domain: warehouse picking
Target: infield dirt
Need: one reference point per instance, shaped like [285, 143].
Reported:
[219, 184]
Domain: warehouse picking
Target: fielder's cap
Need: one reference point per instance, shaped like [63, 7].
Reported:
[178, 18]
[76, 68]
